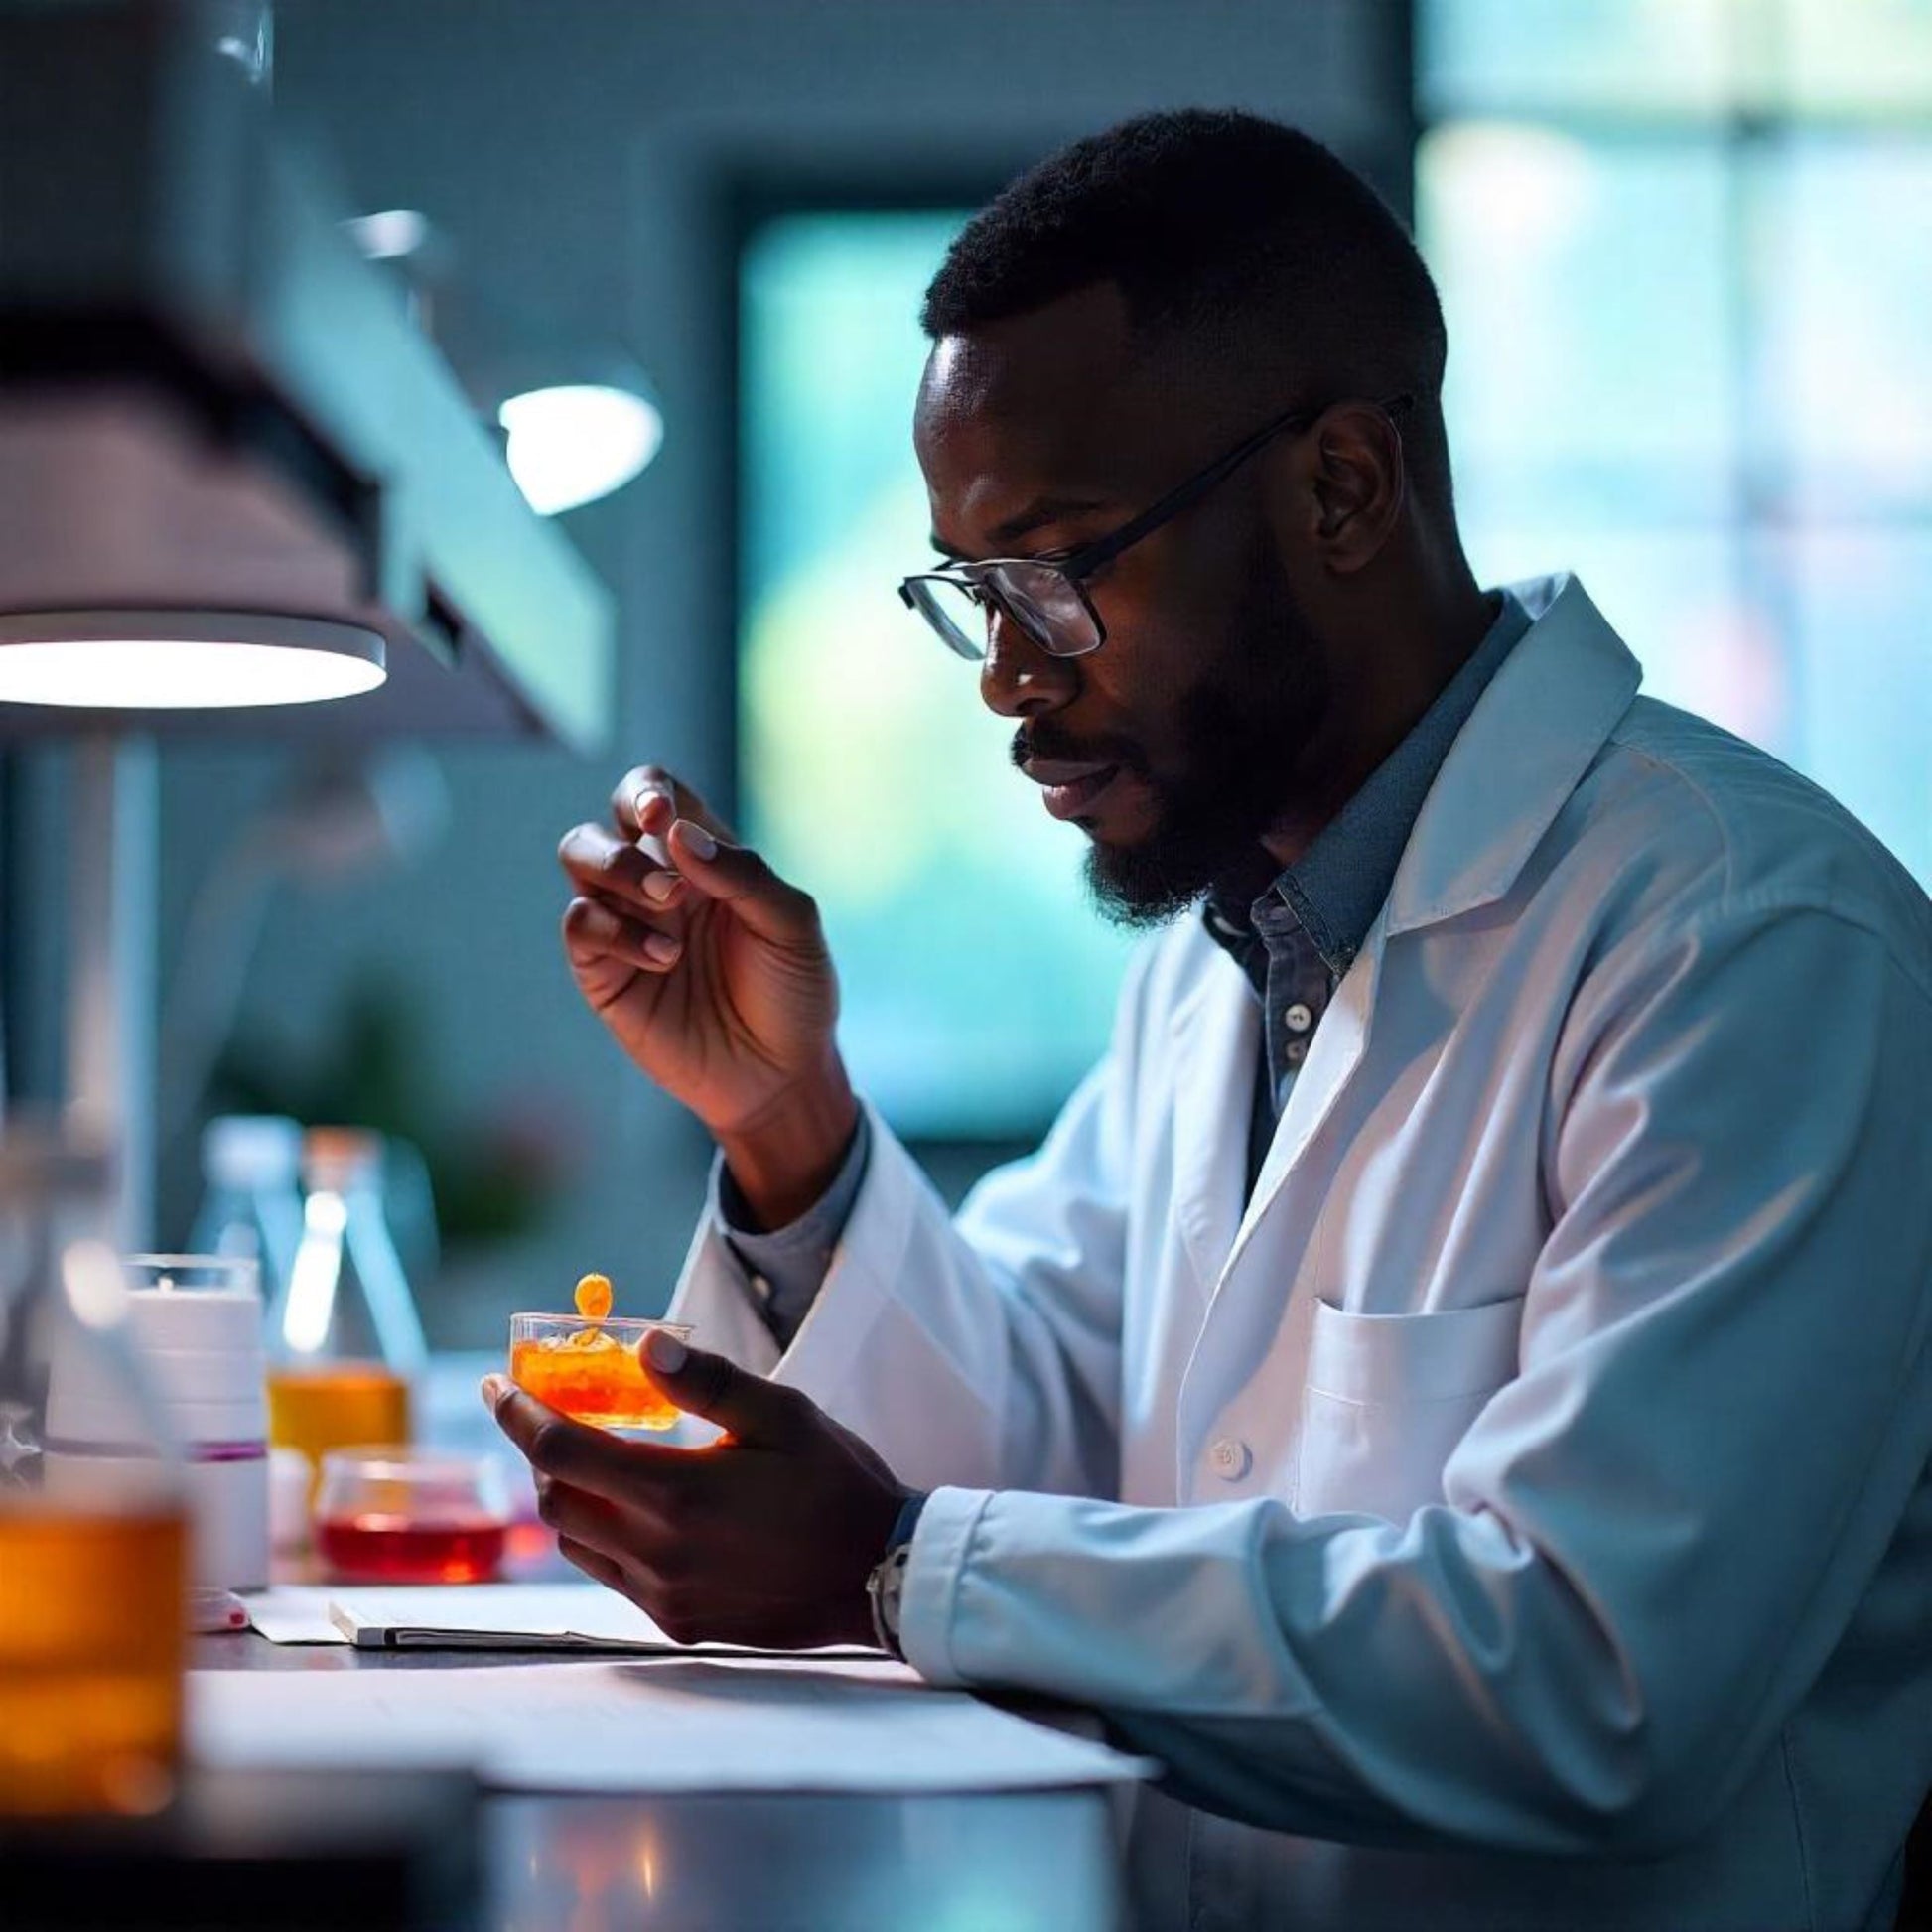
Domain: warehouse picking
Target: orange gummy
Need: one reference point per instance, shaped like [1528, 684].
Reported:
[594, 1297]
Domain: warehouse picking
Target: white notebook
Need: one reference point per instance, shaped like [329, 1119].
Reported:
[520, 1616]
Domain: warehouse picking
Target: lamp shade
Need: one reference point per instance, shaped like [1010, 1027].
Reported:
[178, 661]
[572, 443]
[576, 415]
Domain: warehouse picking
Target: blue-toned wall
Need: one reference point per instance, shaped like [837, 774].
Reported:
[580, 149]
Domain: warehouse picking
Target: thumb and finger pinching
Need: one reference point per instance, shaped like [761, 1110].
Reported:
[737, 875]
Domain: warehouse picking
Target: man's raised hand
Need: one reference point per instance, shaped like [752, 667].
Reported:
[713, 974]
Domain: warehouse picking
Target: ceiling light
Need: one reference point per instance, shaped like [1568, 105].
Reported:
[571, 442]
[176, 660]
[390, 234]
[577, 415]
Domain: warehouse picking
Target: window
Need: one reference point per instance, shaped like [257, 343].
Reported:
[978, 982]
[1687, 265]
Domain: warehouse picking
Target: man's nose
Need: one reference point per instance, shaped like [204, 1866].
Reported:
[1017, 678]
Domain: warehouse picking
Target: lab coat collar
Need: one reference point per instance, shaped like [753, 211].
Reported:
[1544, 718]
[1534, 733]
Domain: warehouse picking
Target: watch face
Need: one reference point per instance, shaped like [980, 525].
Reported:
[885, 1588]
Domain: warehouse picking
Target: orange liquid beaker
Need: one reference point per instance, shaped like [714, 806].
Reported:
[92, 1655]
[335, 1404]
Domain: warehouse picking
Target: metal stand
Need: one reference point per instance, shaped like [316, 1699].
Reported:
[113, 851]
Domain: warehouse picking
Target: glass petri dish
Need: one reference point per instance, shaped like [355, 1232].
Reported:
[590, 1370]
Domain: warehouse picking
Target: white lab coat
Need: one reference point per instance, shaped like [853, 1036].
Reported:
[1517, 1511]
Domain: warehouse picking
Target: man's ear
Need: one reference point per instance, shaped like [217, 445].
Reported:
[1358, 484]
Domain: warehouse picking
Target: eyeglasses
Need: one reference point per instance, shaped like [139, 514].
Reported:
[1047, 596]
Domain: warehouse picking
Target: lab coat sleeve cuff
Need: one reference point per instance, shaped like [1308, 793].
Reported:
[940, 1546]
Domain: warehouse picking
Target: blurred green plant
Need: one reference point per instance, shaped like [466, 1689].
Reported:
[495, 1175]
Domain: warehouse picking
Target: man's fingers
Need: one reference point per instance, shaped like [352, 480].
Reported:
[584, 1516]
[749, 1407]
[634, 1475]
[630, 805]
[737, 877]
[594, 932]
[597, 861]
[684, 850]
[593, 1562]
[556, 1446]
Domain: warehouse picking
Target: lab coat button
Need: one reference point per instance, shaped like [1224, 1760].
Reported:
[1231, 1457]
[1298, 1017]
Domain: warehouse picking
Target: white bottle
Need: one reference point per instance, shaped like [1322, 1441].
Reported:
[197, 1320]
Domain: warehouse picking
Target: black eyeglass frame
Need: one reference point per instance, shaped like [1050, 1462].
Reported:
[1080, 563]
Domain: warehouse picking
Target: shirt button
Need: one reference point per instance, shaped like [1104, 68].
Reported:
[1229, 1458]
[761, 1287]
[1297, 1019]
[1295, 1052]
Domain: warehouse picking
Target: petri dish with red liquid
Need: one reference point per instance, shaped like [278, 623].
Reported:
[391, 1515]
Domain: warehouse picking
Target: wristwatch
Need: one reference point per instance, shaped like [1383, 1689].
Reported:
[885, 1586]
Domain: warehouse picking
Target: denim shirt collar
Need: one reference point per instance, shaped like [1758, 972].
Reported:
[1335, 888]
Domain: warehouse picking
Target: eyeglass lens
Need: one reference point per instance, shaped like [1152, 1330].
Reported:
[1039, 597]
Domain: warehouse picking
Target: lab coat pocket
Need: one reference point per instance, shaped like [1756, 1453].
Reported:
[1388, 1397]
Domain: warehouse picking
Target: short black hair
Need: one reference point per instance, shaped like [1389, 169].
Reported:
[1233, 236]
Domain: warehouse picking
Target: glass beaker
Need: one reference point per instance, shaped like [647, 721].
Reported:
[344, 1342]
[251, 1201]
[93, 1526]
[411, 1516]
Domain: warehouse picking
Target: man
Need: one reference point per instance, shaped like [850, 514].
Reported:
[1454, 1383]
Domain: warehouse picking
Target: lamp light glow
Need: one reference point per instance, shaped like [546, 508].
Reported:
[571, 442]
[390, 234]
[180, 660]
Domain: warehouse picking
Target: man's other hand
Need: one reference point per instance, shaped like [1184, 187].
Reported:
[766, 1537]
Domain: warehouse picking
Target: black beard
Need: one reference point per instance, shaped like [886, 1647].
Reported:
[1242, 737]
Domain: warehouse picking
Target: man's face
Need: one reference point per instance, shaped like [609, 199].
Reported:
[1174, 746]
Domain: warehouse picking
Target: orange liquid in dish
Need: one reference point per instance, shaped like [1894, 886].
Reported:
[593, 1377]
[342, 1406]
[375, 1549]
[91, 1652]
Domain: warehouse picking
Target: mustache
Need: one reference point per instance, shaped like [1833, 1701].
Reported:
[1044, 742]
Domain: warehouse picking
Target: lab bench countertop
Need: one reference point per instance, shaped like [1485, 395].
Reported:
[747, 1861]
